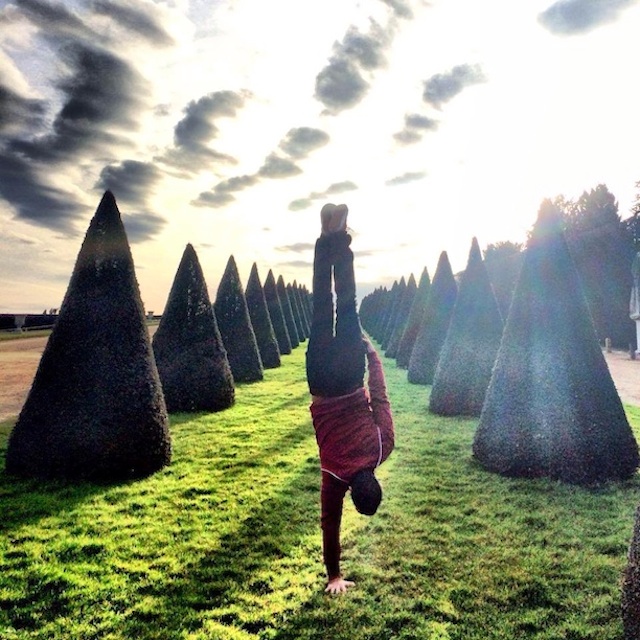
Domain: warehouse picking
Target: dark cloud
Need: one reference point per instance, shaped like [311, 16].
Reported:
[19, 112]
[570, 17]
[221, 194]
[198, 124]
[142, 226]
[53, 18]
[415, 126]
[101, 91]
[130, 181]
[198, 127]
[299, 142]
[401, 9]
[405, 178]
[276, 167]
[33, 200]
[442, 87]
[135, 20]
[333, 189]
[341, 85]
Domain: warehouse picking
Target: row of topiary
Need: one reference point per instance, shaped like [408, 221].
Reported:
[99, 403]
[538, 382]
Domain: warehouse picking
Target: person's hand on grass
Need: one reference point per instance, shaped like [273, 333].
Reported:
[339, 585]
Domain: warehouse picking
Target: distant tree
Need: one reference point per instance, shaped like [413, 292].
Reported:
[277, 314]
[261, 321]
[435, 323]
[631, 585]
[551, 408]
[398, 295]
[95, 410]
[235, 326]
[603, 252]
[503, 261]
[471, 344]
[372, 311]
[414, 320]
[400, 323]
[287, 311]
[304, 316]
[297, 313]
[191, 358]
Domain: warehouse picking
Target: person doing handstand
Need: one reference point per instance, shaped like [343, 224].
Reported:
[353, 425]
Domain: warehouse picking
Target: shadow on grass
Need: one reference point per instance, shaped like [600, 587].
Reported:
[231, 584]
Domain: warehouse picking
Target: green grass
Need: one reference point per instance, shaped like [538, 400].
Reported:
[225, 543]
[20, 335]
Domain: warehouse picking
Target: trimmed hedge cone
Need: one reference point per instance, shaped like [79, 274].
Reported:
[191, 358]
[551, 408]
[235, 327]
[277, 314]
[95, 410]
[435, 324]
[471, 345]
[261, 321]
[414, 320]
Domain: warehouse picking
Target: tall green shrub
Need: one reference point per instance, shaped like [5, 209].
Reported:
[402, 317]
[95, 410]
[287, 311]
[191, 358]
[435, 323]
[414, 320]
[261, 321]
[551, 407]
[235, 326]
[471, 344]
[277, 314]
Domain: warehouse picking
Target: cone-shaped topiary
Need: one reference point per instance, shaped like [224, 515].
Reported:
[235, 327]
[191, 358]
[435, 323]
[470, 347]
[414, 320]
[95, 410]
[261, 321]
[277, 314]
[287, 311]
[398, 295]
[297, 315]
[304, 318]
[631, 585]
[551, 408]
[402, 317]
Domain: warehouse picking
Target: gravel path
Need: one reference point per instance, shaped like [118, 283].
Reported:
[19, 360]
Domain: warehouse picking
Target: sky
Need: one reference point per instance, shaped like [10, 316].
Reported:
[228, 124]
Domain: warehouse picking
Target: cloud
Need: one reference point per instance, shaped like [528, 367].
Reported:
[276, 167]
[100, 92]
[442, 87]
[405, 178]
[333, 189]
[135, 20]
[142, 226]
[400, 9]
[298, 247]
[415, 126]
[198, 127]
[570, 17]
[299, 142]
[341, 85]
[17, 112]
[54, 19]
[33, 200]
[221, 194]
[130, 181]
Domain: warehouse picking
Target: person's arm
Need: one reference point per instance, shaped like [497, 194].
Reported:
[379, 400]
[332, 498]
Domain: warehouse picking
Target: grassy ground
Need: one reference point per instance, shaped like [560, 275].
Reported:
[225, 543]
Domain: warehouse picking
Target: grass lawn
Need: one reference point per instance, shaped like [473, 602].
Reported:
[225, 543]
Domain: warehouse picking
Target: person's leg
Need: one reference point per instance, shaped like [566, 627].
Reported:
[350, 346]
[319, 347]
